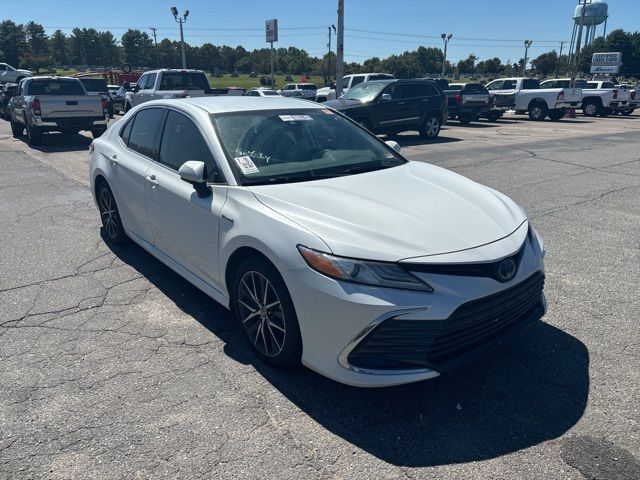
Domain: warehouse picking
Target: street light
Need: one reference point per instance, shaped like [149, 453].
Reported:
[181, 20]
[527, 44]
[445, 38]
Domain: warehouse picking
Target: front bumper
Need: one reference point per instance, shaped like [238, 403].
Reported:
[337, 317]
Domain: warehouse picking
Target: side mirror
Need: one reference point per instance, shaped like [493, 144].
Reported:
[385, 97]
[395, 145]
[126, 86]
[195, 173]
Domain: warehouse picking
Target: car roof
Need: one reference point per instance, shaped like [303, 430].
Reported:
[222, 104]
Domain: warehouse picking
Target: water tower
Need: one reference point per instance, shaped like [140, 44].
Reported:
[596, 13]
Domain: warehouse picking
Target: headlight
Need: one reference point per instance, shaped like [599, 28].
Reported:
[377, 274]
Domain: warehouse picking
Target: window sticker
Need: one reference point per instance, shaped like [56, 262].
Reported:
[295, 118]
[246, 165]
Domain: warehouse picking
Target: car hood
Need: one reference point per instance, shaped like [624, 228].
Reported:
[24, 71]
[342, 104]
[413, 210]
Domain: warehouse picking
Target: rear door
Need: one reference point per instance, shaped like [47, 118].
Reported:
[185, 226]
[130, 161]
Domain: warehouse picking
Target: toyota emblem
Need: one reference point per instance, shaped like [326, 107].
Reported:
[506, 269]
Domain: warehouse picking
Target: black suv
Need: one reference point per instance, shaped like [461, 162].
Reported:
[394, 106]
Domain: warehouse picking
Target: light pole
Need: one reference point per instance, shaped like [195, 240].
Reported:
[329, 57]
[527, 44]
[181, 20]
[155, 42]
[340, 49]
[445, 38]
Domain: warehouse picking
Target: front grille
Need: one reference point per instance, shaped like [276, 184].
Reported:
[444, 344]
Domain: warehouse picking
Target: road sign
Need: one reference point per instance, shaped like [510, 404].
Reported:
[272, 30]
[605, 68]
[607, 59]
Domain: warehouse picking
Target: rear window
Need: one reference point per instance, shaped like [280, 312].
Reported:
[474, 88]
[184, 81]
[55, 87]
[530, 84]
[381, 76]
[94, 85]
[308, 86]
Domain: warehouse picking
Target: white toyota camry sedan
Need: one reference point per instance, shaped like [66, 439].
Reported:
[328, 246]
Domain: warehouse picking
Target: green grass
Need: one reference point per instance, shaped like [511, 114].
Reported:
[247, 82]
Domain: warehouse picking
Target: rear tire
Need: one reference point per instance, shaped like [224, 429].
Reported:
[494, 116]
[538, 111]
[627, 112]
[262, 305]
[97, 132]
[555, 115]
[34, 135]
[110, 215]
[430, 128]
[17, 130]
[465, 119]
[591, 108]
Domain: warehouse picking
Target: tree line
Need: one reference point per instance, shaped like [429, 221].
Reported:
[29, 46]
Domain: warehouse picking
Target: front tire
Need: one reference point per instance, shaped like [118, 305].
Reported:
[494, 116]
[465, 119]
[430, 128]
[110, 215]
[538, 111]
[263, 307]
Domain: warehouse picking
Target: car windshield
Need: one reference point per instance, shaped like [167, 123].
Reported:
[280, 146]
[94, 85]
[365, 92]
[270, 92]
[184, 81]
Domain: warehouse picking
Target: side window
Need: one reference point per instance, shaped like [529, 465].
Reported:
[142, 81]
[509, 85]
[396, 92]
[181, 142]
[530, 84]
[151, 80]
[126, 131]
[252, 93]
[356, 80]
[2, 68]
[608, 85]
[145, 132]
[417, 90]
[497, 85]
[288, 87]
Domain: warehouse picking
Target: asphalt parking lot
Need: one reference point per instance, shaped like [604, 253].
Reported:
[112, 366]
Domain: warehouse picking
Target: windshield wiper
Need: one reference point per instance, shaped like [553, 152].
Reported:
[279, 179]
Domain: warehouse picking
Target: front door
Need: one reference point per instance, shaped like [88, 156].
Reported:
[185, 226]
[395, 112]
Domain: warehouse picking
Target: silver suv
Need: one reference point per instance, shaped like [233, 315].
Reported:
[299, 90]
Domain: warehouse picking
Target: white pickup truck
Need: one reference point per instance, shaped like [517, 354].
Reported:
[603, 98]
[167, 83]
[56, 104]
[540, 103]
[8, 74]
[348, 81]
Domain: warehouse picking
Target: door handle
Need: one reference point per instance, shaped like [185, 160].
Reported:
[114, 159]
[152, 180]
[401, 103]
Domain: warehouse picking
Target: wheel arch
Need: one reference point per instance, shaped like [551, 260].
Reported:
[596, 100]
[235, 260]
[537, 100]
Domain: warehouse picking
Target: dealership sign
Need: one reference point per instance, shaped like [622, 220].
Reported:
[272, 30]
[606, 62]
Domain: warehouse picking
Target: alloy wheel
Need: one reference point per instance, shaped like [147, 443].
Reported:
[591, 109]
[432, 127]
[261, 313]
[108, 213]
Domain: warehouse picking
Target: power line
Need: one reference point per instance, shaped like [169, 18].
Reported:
[438, 36]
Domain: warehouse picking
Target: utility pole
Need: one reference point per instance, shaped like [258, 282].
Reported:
[445, 38]
[155, 42]
[571, 112]
[181, 20]
[340, 49]
[329, 57]
[559, 60]
[527, 44]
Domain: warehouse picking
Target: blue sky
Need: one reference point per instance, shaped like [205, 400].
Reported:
[487, 28]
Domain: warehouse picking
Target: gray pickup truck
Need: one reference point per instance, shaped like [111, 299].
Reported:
[167, 83]
[56, 104]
